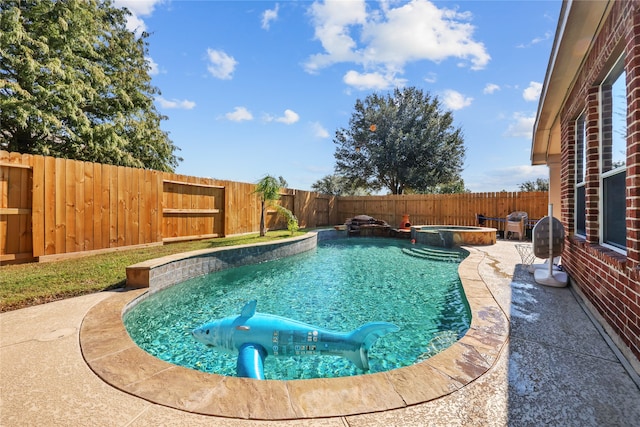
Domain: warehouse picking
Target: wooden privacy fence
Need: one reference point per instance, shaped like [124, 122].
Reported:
[448, 209]
[52, 207]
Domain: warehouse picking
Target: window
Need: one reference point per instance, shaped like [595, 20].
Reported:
[580, 174]
[613, 154]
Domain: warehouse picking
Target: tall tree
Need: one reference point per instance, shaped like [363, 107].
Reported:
[337, 185]
[399, 141]
[74, 83]
[540, 184]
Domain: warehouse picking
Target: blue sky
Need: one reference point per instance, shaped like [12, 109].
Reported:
[260, 87]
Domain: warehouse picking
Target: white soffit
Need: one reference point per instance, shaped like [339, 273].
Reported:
[578, 25]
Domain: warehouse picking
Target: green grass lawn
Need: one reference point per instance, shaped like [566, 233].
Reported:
[24, 285]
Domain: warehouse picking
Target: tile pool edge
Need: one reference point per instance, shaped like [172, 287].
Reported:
[114, 357]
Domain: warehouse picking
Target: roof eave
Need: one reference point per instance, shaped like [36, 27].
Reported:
[578, 24]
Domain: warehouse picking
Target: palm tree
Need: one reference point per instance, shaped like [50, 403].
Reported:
[269, 190]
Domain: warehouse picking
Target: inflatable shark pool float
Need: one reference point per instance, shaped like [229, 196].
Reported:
[254, 336]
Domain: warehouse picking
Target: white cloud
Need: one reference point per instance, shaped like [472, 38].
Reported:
[378, 81]
[319, 131]
[431, 78]
[455, 100]
[525, 172]
[521, 126]
[221, 65]
[490, 88]
[289, 117]
[389, 38]
[536, 40]
[532, 93]
[138, 9]
[153, 66]
[268, 16]
[239, 114]
[175, 103]
[419, 30]
[332, 20]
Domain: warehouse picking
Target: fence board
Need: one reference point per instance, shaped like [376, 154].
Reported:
[45, 218]
[156, 201]
[98, 242]
[144, 233]
[26, 203]
[134, 206]
[166, 224]
[181, 222]
[194, 197]
[113, 206]
[60, 246]
[79, 205]
[124, 187]
[122, 193]
[105, 210]
[4, 235]
[87, 238]
[41, 233]
[208, 225]
[13, 201]
[70, 210]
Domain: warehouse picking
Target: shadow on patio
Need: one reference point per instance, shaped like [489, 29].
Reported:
[560, 369]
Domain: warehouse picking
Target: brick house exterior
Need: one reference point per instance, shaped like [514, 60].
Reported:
[587, 130]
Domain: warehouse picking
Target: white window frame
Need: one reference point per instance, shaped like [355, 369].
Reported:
[580, 175]
[616, 71]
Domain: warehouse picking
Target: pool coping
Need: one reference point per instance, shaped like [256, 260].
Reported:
[115, 358]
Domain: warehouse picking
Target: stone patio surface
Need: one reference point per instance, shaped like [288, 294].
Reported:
[555, 369]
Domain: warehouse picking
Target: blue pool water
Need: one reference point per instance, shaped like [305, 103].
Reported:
[340, 285]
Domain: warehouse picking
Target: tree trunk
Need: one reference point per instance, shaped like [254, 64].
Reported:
[263, 231]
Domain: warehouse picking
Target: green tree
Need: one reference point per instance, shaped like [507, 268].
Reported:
[540, 184]
[456, 186]
[269, 190]
[337, 185]
[74, 83]
[399, 141]
[283, 182]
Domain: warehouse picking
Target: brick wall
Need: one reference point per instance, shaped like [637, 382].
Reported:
[608, 279]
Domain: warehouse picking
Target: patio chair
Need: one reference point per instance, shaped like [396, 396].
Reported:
[515, 223]
[548, 243]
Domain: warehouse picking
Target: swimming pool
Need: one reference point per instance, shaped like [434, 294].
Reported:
[340, 285]
[112, 355]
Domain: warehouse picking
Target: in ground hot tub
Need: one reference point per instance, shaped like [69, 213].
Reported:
[451, 236]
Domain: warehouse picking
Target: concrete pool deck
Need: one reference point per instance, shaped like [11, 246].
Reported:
[554, 369]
